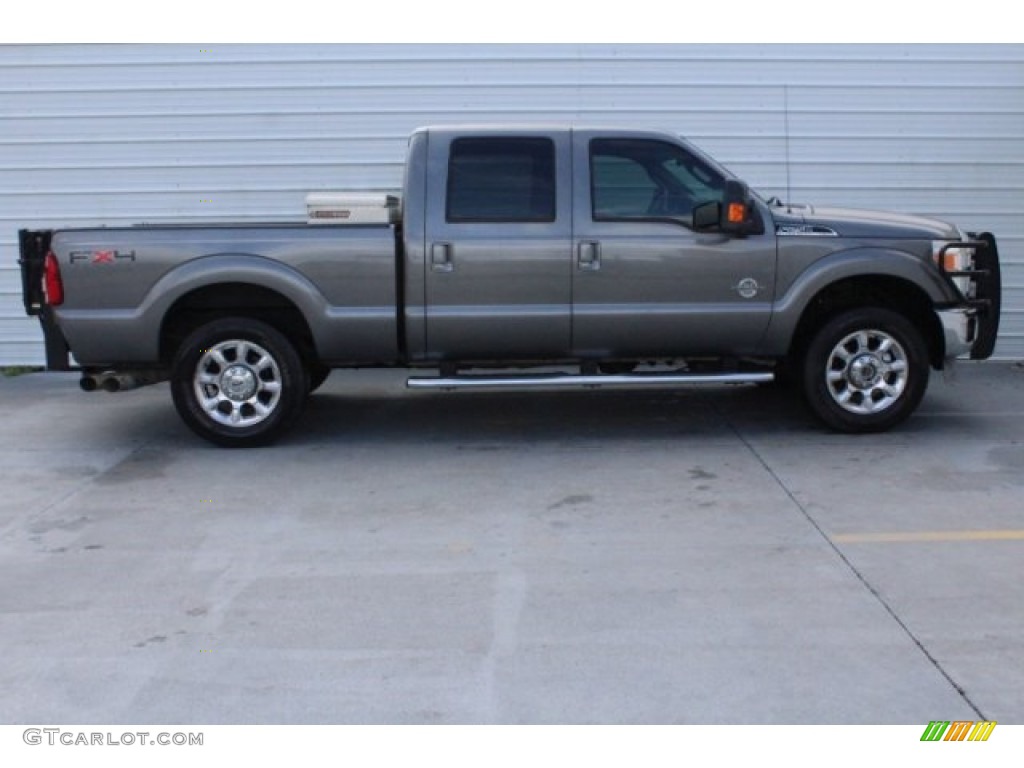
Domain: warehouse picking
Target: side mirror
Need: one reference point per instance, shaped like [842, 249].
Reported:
[735, 215]
[707, 216]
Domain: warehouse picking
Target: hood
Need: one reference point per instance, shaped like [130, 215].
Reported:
[847, 222]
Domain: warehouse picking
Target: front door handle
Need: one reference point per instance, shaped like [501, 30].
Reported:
[441, 257]
[588, 257]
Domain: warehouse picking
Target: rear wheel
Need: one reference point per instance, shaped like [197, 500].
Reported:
[238, 382]
[866, 370]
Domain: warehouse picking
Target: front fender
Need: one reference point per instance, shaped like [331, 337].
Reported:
[855, 262]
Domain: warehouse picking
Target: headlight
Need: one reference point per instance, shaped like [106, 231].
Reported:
[954, 259]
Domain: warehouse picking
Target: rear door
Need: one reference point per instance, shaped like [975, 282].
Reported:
[645, 284]
[498, 246]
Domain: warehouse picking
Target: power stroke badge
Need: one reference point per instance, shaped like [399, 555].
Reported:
[747, 287]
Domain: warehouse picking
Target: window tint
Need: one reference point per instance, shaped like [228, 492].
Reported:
[644, 179]
[501, 179]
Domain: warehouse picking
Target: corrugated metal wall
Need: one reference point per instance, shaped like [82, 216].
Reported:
[122, 134]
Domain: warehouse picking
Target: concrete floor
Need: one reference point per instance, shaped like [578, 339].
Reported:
[686, 556]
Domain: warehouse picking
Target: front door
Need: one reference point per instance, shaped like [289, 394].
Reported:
[645, 284]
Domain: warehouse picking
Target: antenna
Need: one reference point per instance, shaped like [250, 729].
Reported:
[785, 114]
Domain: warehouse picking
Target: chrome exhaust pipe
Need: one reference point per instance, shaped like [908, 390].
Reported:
[122, 382]
[113, 381]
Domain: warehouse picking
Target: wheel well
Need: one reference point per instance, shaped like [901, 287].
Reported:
[211, 302]
[891, 293]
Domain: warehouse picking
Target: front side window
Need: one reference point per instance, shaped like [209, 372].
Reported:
[646, 179]
[501, 180]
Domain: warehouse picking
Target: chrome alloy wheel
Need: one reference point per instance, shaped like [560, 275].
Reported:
[866, 372]
[237, 383]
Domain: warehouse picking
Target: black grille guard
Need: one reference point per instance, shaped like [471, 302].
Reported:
[987, 298]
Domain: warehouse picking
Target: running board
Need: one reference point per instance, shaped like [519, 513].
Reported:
[566, 380]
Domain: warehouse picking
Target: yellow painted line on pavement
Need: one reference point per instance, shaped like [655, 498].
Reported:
[925, 536]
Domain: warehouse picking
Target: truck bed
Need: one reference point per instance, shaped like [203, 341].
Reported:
[122, 284]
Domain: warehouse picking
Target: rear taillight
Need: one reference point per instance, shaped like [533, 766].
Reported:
[53, 286]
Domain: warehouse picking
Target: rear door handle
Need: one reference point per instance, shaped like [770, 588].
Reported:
[441, 257]
[588, 255]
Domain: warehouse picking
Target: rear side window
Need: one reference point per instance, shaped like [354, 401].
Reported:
[501, 179]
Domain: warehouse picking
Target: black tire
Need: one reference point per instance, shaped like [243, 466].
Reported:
[317, 374]
[238, 382]
[866, 370]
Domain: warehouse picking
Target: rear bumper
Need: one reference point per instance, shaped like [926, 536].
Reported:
[58, 354]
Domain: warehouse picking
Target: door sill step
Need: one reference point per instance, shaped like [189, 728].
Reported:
[571, 380]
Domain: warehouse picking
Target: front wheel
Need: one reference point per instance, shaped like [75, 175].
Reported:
[866, 370]
[238, 382]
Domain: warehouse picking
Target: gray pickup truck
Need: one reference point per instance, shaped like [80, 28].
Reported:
[522, 257]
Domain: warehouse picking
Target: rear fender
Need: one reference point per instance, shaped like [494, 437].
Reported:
[134, 335]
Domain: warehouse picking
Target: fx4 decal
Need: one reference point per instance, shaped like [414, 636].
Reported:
[101, 257]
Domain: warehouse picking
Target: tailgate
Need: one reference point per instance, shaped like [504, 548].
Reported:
[33, 247]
